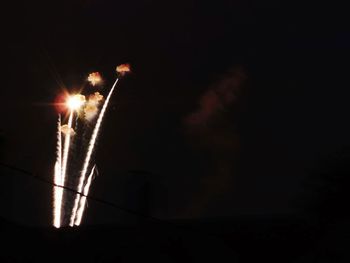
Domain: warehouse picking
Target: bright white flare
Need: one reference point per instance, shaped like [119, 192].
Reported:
[57, 198]
[74, 102]
[83, 199]
[89, 152]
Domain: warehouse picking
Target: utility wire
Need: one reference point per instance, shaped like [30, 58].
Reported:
[107, 203]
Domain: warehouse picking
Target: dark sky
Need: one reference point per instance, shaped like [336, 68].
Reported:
[229, 106]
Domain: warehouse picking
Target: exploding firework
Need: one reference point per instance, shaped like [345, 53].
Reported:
[123, 69]
[94, 78]
[79, 139]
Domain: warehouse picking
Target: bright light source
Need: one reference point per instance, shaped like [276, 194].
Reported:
[74, 102]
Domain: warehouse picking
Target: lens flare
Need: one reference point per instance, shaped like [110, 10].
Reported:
[75, 102]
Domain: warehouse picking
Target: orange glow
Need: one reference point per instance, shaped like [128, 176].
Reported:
[95, 98]
[123, 69]
[94, 78]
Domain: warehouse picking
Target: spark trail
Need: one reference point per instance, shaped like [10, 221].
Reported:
[65, 155]
[88, 155]
[83, 199]
[58, 191]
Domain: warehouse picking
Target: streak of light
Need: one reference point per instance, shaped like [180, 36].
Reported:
[57, 198]
[83, 199]
[89, 152]
[65, 155]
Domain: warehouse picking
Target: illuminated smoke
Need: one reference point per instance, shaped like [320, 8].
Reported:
[91, 106]
[89, 152]
[65, 129]
[83, 199]
[94, 78]
[95, 98]
[90, 111]
[217, 99]
[57, 198]
[212, 128]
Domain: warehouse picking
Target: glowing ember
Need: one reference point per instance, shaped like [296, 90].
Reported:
[94, 78]
[123, 69]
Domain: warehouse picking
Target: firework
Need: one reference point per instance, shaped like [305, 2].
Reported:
[65, 156]
[89, 152]
[123, 69]
[85, 131]
[75, 102]
[94, 78]
[82, 202]
[57, 179]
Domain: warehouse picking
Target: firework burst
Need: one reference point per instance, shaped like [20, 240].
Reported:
[79, 141]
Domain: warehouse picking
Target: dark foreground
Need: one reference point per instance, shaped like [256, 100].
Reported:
[264, 240]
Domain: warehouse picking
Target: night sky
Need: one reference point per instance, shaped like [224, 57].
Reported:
[230, 111]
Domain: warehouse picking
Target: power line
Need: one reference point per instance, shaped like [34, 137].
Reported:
[107, 203]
